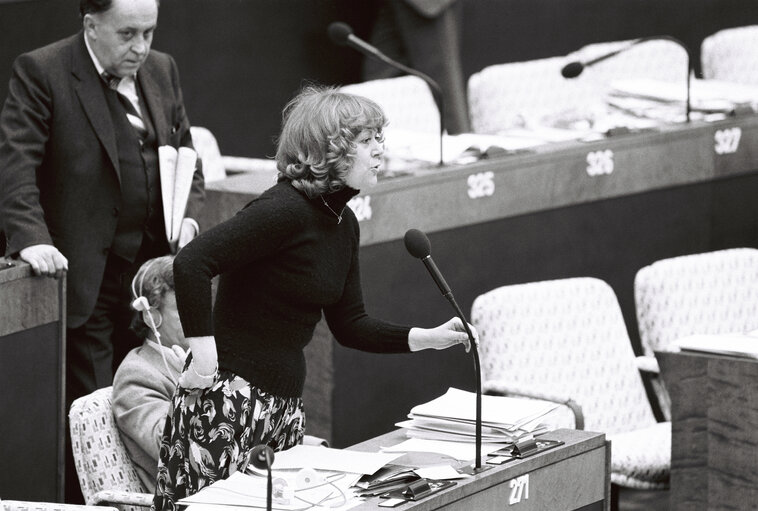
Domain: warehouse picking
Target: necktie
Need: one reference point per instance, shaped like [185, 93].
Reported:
[135, 119]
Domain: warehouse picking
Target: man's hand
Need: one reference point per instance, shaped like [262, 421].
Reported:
[45, 260]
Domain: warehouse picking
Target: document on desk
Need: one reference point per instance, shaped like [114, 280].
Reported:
[324, 458]
[457, 450]
[735, 344]
[498, 412]
[243, 492]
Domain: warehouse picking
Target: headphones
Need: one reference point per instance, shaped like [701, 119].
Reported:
[141, 304]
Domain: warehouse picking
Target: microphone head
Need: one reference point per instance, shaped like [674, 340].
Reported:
[572, 69]
[339, 32]
[262, 457]
[417, 244]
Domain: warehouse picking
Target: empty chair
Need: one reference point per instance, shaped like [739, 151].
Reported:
[217, 167]
[707, 293]
[730, 55]
[518, 95]
[566, 340]
[655, 59]
[407, 102]
[106, 473]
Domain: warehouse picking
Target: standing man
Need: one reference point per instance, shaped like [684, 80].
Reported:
[80, 191]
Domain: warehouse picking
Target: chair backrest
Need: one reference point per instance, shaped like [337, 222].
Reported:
[708, 293]
[101, 459]
[209, 152]
[522, 94]
[407, 102]
[730, 55]
[656, 59]
[564, 337]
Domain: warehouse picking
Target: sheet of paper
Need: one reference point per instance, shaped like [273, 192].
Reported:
[185, 169]
[439, 472]
[458, 450]
[736, 344]
[340, 460]
[167, 168]
[497, 411]
[245, 491]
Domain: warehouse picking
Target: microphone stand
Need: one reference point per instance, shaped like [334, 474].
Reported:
[601, 58]
[262, 456]
[342, 34]
[433, 85]
[477, 467]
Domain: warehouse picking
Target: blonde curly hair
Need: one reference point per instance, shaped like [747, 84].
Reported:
[316, 146]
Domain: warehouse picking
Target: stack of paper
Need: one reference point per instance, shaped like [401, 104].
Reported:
[177, 169]
[707, 96]
[452, 417]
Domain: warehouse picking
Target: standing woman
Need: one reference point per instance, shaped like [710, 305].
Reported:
[290, 254]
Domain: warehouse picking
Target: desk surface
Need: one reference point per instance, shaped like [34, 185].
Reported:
[551, 176]
[566, 477]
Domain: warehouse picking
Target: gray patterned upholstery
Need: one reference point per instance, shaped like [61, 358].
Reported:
[106, 474]
[707, 293]
[216, 166]
[23, 505]
[655, 59]
[730, 55]
[568, 338]
[518, 95]
[407, 102]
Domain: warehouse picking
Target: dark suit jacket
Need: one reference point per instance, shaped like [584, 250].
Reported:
[59, 172]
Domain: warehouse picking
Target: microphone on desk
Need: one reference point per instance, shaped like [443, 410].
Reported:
[574, 69]
[342, 34]
[417, 244]
[262, 457]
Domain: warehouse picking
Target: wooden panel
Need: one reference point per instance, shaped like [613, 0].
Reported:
[32, 359]
[26, 301]
[714, 448]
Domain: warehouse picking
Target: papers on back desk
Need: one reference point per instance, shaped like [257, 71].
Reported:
[452, 417]
[732, 344]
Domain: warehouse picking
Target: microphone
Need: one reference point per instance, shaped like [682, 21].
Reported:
[574, 69]
[262, 456]
[341, 34]
[417, 244]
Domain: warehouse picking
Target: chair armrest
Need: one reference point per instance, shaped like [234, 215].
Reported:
[122, 497]
[23, 505]
[501, 388]
[648, 364]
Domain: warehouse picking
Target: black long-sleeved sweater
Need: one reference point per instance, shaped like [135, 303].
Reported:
[282, 260]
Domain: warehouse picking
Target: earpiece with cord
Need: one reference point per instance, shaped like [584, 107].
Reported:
[141, 304]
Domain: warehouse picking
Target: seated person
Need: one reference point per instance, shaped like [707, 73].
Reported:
[145, 381]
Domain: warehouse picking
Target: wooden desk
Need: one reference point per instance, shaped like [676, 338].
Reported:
[574, 476]
[714, 423]
[521, 218]
[32, 359]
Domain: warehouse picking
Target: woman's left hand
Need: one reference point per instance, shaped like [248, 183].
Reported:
[448, 334]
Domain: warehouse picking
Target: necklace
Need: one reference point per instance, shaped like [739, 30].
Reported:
[339, 217]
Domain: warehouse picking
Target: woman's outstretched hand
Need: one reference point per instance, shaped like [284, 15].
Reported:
[448, 334]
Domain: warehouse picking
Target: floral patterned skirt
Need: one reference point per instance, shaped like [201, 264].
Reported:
[210, 432]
